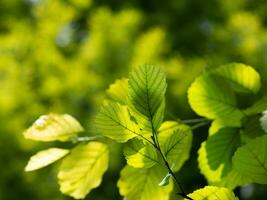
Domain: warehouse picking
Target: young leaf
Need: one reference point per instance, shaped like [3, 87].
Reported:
[215, 154]
[82, 170]
[45, 158]
[142, 184]
[212, 97]
[213, 193]
[53, 127]
[257, 107]
[114, 121]
[175, 140]
[147, 86]
[118, 91]
[221, 123]
[139, 155]
[242, 78]
[263, 121]
[251, 160]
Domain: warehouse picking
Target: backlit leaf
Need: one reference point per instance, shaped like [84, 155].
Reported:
[118, 91]
[82, 170]
[45, 158]
[53, 127]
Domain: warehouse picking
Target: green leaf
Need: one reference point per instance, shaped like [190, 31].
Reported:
[257, 107]
[215, 154]
[175, 140]
[212, 97]
[147, 86]
[251, 160]
[166, 180]
[139, 155]
[242, 78]
[114, 121]
[263, 121]
[82, 170]
[51, 127]
[45, 158]
[118, 91]
[220, 123]
[142, 184]
[213, 193]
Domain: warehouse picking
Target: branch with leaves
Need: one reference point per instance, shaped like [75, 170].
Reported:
[133, 114]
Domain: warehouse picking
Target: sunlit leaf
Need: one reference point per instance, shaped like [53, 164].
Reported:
[53, 127]
[242, 78]
[251, 160]
[215, 154]
[118, 91]
[220, 123]
[147, 86]
[175, 140]
[212, 97]
[213, 193]
[45, 158]
[82, 170]
[139, 155]
[142, 184]
[114, 121]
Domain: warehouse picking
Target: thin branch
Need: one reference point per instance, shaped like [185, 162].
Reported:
[199, 125]
[189, 121]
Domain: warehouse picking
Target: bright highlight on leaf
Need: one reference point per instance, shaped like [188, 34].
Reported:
[82, 170]
[45, 158]
[263, 121]
[114, 121]
[147, 86]
[215, 154]
[211, 97]
[175, 140]
[118, 91]
[251, 160]
[53, 127]
[213, 193]
[139, 155]
[242, 78]
[142, 184]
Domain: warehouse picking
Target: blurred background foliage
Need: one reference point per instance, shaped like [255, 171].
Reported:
[61, 55]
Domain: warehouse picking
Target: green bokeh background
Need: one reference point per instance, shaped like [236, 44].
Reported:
[61, 55]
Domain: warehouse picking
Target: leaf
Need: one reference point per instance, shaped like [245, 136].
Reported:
[147, 86]
[142, 184]
[215, 154]
[166, 180]
[213, 193]
[263, 121]
[212, 97]
[175, 140]
[45, 158]
[139, 155]
[220, 123]
[251, 160]
[242, 78]
[82, 170]
[114, 121]
[257, 107]
[51, 127]
[118, 91]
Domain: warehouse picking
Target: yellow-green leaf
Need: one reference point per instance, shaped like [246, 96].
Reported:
[139, 155]
[220, 123]
[257, 107]
[118, 91]
[175, 140]
[251, 160]
[213, 193]
[45, 158]
[142, 184]
[212, 97]
[242, 78]
[215, 154]
[147, 86]
[53, 127]
[114, 121]
[82, 170]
